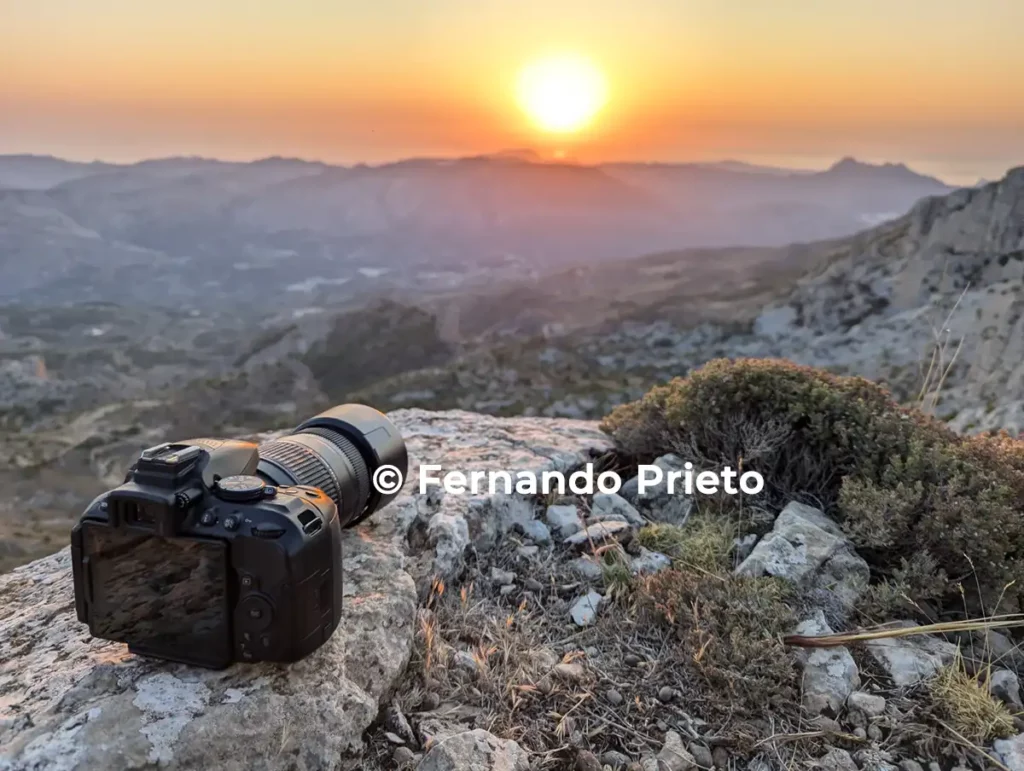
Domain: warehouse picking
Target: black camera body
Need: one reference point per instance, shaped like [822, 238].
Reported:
[215, 551]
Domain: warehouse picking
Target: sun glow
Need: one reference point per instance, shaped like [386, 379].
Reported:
[562, 94]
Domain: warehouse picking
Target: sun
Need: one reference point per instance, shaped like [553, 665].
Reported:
[562, 94]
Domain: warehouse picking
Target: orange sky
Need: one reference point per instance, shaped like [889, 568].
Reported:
[936, 83]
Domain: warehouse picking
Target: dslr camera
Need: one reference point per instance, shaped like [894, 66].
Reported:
[220, 550]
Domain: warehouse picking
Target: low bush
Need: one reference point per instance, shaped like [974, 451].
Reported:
[900, 482]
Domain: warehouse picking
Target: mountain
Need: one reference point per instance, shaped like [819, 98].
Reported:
[198, 233]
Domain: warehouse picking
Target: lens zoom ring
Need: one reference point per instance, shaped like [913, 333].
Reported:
[354, 457]
[307, 467]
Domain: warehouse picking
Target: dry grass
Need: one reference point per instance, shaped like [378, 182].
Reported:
[969, 706]
[704, 544]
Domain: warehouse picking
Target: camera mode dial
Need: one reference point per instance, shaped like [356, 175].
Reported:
[240, 488]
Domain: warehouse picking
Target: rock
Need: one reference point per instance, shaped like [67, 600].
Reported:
[874, 759]
[874, 732]
[870, 704]
[910, 765]
[674, 756]
[1011, 752]
[744, 545]
[476, 750]
[570, 671]
[533, 585]
[396, 722]
[808, 549]
[830, 674]
[615, 759]
[666, 694]
[564, 519]
[502, 577]
[535, 530]
[587, 567]
[84, 704]
[836, 760]
[430, 701]
[909, 660]
[632, 660]
[528, 551]
[721, 757]
[597, 533]
[587, 761]
[656, 503]
[649, 562]
[584, 610]
[608, 507]
[448, 536]
[613, 697]
[701, 755]
[1005, 687]
[403, 756]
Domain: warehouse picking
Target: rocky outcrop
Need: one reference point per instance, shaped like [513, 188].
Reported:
[70, 702]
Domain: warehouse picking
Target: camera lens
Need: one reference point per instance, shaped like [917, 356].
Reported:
[338, 451]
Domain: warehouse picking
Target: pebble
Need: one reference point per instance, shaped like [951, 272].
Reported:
[430, 701]
[403, 756]
[860, 733]
[502, 577]
[702, 755]
[721, 757]
[868, 703]
[587, 761]
[615, 759]
[632, 660]
[572, 671]
[507, 589]
[564, 519]
[875, 732]
[666, 694]
[584, 610]
[533, 585]
[528, 551]
[613, 697]
[910, 765]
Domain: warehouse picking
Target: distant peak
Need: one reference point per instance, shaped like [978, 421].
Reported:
[526, 154]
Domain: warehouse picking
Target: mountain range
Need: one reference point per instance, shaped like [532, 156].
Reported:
[198, 233]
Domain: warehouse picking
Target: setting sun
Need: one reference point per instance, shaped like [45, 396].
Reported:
[562, 94]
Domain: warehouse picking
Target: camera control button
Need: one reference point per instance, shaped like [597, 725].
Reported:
[269, 491]
[247, 582]
[231, 523]
[267, 530]
[256, 613]
[208, 518]
[240, 488]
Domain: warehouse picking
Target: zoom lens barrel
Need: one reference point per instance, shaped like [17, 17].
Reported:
[338, 451]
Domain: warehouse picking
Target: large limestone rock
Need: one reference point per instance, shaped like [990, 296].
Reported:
[70, 703]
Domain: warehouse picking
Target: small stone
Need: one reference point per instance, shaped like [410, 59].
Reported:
[632, 660]
[584, 610]
[666, 694]
[564, 519]
[613, 697]
[544, 685]
[502, 577]
[393, 738]
[430, 701]
[1005, 687]
[571, 671]
[616, 760]
[910, 765]
[403, 756]
[528, 551]
[507, 590]
[860, 733]
[536, 531]
[649, 562]
[702, 755]
[875, 732]
[587, 761]
[721, 757]
[533, 585]
[836, 760]
[610, 506]
[587, 567]
[597, 533]
[868, 703]
[465, 662]
[674, 755]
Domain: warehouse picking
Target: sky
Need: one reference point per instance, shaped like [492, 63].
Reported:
[938, 84]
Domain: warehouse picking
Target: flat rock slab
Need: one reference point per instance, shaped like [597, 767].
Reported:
[69, 702]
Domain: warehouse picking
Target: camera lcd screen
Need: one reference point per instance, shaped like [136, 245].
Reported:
[164, 595]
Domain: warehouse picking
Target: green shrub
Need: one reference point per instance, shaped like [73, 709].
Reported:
[900, 482]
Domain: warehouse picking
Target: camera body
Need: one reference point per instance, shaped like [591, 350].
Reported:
[197, 559]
